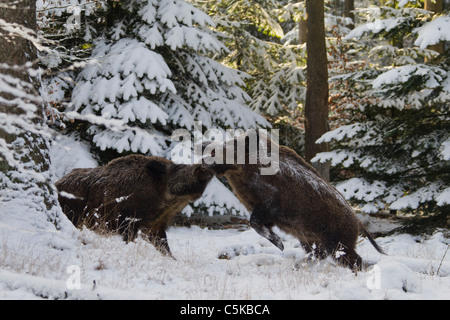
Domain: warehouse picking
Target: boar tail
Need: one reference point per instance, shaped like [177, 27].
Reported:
[372, 241]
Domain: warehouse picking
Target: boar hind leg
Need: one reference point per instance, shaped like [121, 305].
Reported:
[129, 234]
[349, 258]
[159, 240]
[261, 220]
[314, 251]
[266, 232]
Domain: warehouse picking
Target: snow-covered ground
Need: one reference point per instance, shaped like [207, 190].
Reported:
[37, 262]
[110, 269]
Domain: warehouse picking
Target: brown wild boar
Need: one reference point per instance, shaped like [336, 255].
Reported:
[295, 199]
[132, 193]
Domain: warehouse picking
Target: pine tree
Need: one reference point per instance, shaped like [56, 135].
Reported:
[395, 154]
[153, 74]
[254, 36]
[152, 71]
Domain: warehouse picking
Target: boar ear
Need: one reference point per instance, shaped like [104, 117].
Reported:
[156, 168]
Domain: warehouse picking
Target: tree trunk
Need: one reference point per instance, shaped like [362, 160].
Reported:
[302, 31]
[435, 6]
[316, 104]
[349, 6]
[15, 51]
[24, 161]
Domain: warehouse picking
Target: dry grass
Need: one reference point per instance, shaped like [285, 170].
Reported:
[23, 255]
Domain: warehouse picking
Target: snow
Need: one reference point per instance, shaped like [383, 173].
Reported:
[174, 11]
[433, 32]
[444, 197]
[75, 154]
[445, 153]
[38, 261]
[429, 192]
[361, 189]
[250, 268]
[341, 133]
[402, 3]
[219, 199]
[374, 27]
[136, 81]
[403, 74]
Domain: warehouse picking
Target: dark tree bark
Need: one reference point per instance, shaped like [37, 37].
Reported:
[435, 6]
[15, 51]
[302, 31]
[316, 104]
[349, 6]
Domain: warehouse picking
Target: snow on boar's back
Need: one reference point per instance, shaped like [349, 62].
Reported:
[295, 199]
[132, 193]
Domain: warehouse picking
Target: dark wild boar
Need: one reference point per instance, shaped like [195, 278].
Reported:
[295, 199]
[132, 193]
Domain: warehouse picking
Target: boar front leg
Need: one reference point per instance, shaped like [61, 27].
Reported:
[160, 242]
[262, 220]
[158, 238]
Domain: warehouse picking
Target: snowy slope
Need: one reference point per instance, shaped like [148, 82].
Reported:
[35, 260]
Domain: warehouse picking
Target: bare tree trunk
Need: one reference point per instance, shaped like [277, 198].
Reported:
[435, 6]
[349, 6]
[302, 31]
[316, 104]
